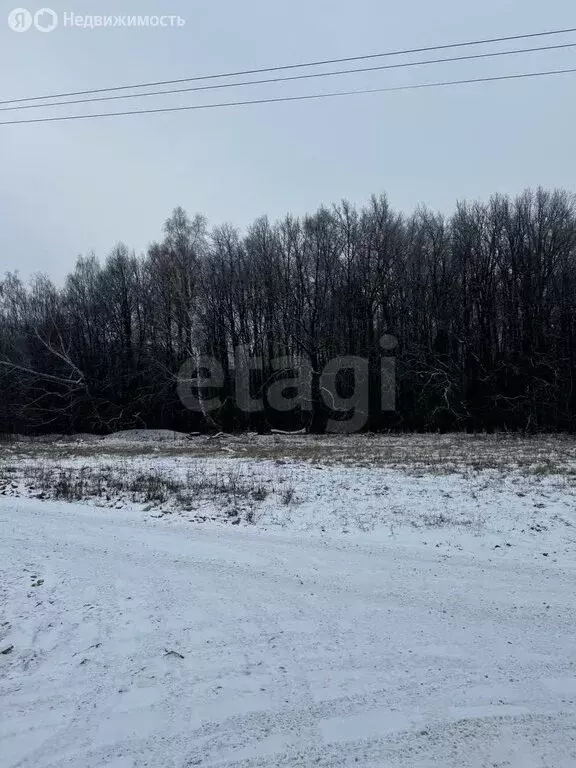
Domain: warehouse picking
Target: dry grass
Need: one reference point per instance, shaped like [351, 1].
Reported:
[419, 454]
[117, 485]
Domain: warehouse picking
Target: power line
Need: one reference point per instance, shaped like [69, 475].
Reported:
[403, 65]
[301, 65]
[291, 98]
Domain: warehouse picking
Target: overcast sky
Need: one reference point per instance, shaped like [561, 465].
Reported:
[73, 187]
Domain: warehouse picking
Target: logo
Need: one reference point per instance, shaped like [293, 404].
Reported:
[45, 20]
[345, 388]
[20, 20]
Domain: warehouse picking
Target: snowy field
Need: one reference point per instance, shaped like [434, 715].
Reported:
[381, 602]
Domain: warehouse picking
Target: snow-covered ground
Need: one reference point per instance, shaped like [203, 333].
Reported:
[140, 643]
[307, 495]
[352, 616]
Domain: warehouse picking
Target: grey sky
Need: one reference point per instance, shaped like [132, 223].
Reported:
[69, 188]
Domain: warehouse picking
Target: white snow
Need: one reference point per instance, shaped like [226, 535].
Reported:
[299, 495]
[407, 645]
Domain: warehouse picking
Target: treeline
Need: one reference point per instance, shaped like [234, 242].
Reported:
[481, 304]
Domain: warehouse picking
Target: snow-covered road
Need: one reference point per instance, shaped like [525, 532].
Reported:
[152, 643]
